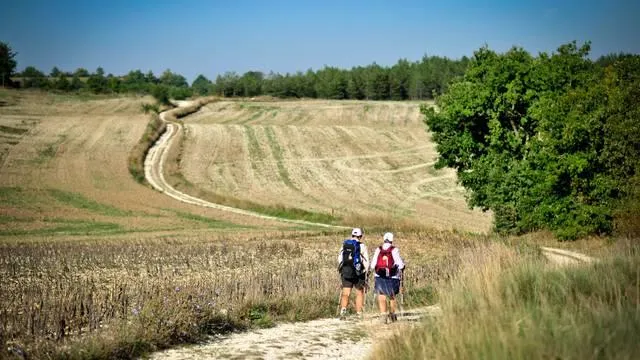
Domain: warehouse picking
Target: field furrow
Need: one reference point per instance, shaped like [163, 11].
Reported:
[348, 158]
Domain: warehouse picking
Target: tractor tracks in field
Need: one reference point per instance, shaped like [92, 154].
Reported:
[157, 157]
[154, 174]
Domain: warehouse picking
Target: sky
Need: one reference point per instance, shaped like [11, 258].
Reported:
[211, 37]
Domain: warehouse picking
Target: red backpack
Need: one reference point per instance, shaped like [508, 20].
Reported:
[385, 266]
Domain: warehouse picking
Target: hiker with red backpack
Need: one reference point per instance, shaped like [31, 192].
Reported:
[388, 266]
[353, 263]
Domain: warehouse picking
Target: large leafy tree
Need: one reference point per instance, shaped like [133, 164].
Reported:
[528, 137]
[7, 63]
[201, 85]
[169, 78]
[34, 78]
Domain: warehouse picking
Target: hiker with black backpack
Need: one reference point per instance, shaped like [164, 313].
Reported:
[388, 266]
[353, 263]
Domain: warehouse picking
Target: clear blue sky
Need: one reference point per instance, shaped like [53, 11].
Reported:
[210, 37]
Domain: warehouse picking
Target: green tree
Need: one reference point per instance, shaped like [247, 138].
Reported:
[377, 82]
[34, 78]
[62, 83]
[81, 72]
[76, 83]
[161, 94]
[7, 63]
[399, 78]
[97, 83]
[532, 139]
[331, 83]
[55, 72]
[250, 83]
[228, 84]
[356, 84]
[114, 84]
[201, 85]
[169, 78]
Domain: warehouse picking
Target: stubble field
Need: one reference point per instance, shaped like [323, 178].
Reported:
[355, 160]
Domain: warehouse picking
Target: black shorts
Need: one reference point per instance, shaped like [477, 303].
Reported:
[358, 282]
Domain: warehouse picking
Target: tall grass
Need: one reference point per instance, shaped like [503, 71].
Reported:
[501, 306]
[155, 129]
[123, 298]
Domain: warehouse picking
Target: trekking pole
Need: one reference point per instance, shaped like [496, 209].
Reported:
[401, 292]
[366, 291]
[339, 294]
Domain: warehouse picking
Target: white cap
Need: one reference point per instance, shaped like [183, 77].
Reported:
[388, 237]
[356, 232]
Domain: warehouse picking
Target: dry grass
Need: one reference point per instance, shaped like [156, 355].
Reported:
[505, 304]
[59, 294]
[349, 160]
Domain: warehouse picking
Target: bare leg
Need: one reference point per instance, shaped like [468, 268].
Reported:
[344, 300]
[382, 303]
[392, 304]
[359, 299]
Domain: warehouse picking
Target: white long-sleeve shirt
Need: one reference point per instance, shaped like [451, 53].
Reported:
[397, 260]
[364, 255]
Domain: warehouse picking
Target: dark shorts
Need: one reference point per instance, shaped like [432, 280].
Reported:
[387, 286]
[358, 283]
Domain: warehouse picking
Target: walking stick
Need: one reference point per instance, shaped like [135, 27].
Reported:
[402, 292]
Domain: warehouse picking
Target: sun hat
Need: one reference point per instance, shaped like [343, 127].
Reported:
[388, 237]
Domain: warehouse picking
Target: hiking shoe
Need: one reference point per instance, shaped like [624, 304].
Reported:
[360, 315]
[343, 314]
[393, 317]
[383, 318]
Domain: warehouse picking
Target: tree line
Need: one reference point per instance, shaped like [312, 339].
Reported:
[404, 80]
[547, 142]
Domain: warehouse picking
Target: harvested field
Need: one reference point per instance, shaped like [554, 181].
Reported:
[351, 159]
[65, 160]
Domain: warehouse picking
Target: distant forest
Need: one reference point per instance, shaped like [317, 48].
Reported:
[405, 80]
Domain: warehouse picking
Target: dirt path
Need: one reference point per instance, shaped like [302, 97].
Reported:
[565, 257]
[323, 338]
[317, 339]
[154, 173]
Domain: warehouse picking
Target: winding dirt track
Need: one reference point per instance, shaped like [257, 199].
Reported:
[318, 339]
[153, 170]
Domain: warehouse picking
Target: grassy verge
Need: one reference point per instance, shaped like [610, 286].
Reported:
[155, 128]
[503, 307]
[80, 202]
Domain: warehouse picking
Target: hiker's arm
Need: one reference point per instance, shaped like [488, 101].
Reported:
[365, 256]
[397, 259]
[374, 259]
[339, 259]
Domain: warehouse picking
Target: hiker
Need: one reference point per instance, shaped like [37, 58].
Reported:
[353, 263]
[387, 265]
